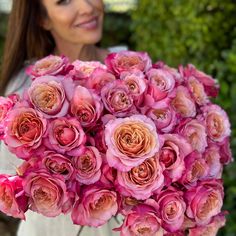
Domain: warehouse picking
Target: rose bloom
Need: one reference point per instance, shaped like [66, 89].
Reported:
[86, 106]
[128, 61]
[117, 99]
[13, 201]
[195, 132]
[172, 153]
[95, 208]
[108, 176]
[142, 220]
[204, 201]
[196, 169]
[50, 65]
[225, 151]
[88, 165]
[170, 209]
[163, 115]
[24, 132]
[211, 229]
[57, 164]
[65, 135]
[141, 181]
[216, 122]
[161, 82]
[51, 95]
[47, 194]
[130, 141]
[98, 79]
[183, 103]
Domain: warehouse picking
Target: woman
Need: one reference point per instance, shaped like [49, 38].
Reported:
[36, 29]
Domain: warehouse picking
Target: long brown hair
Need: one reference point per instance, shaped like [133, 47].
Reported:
[25, 39]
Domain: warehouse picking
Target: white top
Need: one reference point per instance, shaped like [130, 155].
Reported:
[36, 224]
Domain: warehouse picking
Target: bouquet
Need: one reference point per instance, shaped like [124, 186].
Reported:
[128, 137]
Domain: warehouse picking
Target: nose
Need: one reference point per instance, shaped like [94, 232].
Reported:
[85, 6]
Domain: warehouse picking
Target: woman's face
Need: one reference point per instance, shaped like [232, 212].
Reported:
[74, 21]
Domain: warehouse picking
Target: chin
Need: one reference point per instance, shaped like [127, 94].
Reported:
[91, 38]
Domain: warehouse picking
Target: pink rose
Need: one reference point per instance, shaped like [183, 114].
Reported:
[108, 175]
[225, 151]
[141, 181]
[117, 99]
[130, 141]
[65, 135]
[161, 83]
[96, 207]
[196, 169]
[86, 106]
[25, 130]
[195, 133]
[128, 61]
[204, 201]
[50, 65]
[172, 153]
[51, 95]
[58, 164]
[170, 209]
[47, 194]
[216, 122]
[142, 220]
[183, 103]
[88, 166]
[13, 201]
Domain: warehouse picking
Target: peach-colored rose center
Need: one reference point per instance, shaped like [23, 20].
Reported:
[215, 125]
[127, 62]
[65, 134]
[6, 198]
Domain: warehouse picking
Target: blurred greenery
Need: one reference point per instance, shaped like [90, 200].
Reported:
[202, 33]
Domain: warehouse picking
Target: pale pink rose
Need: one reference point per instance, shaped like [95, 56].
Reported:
[141, 221]
[172, 152]
[195, 133]
[47, 194]
[96, 207]
[83, 70]
[196, 169]
[86, 106]
[211, 229]
[212, 157]
[161, 83]
[130, 141]
[98, 79]
[163, 115]
[25, 130]
[216, 122]
[65, 135]
[204, 201]
[50, 65]
[51, 95]
[128, 61]
[88, 165]
[57, 164]
[117, 99]
[183, 103]
[170, 209]
[210, 85]
[141, 181]
[13, 201]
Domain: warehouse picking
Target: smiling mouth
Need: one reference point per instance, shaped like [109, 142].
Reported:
[91, 24]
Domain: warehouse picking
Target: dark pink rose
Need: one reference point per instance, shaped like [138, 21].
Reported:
[117, 99]
[226, 155]
[25, 130]
[170, 209]
[172, 153]
[86, 106]
[88, 165]
[204, 201]
[13, 201]
[141, 181]
[108, 175]
[130, 141]
[57, 164]
[96, 207]
[51, 95]
[47, 194]
[128, 61]
[65, 135]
